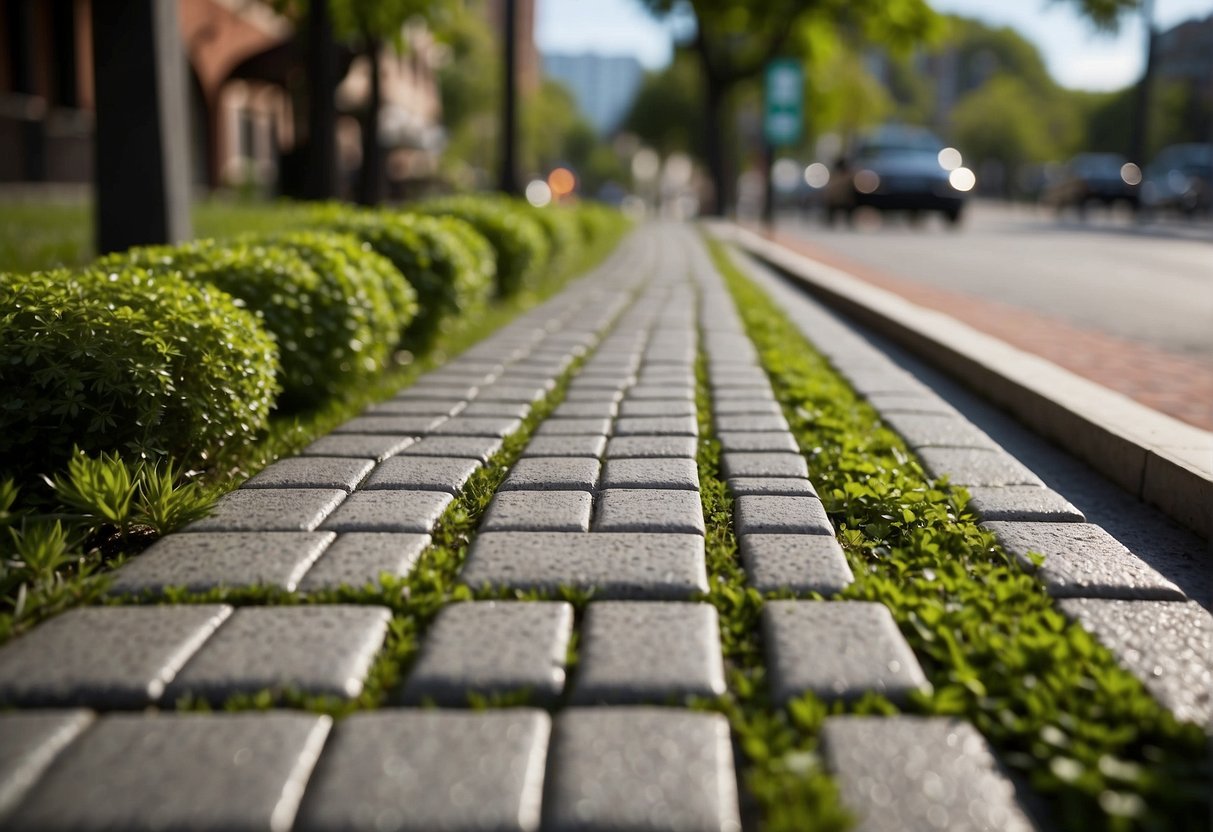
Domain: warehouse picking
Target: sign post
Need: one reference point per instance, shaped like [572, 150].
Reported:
[782, 119]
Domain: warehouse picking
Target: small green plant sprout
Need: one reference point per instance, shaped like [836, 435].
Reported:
[99, 490]
[165, 501]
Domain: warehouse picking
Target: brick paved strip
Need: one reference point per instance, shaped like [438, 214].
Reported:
[31, 740]
[417, 407]
[430, 771]
[313, 472]
[900, 773]
[640, 769]
[614, 566]
[587, 446]
[771, 487]
[486, 409]
[1081, 560]
[552, 474]
[491, 648]
[390, 425]
[664, 511]
[972, 466]
[538, 511]
[422, 473]
[1023, 502]
[178, 771]
[110, 657]
[796, 562]
[574, 427]
[733, 442]
[635, 652]
[922, 430]
[651, 447]
[761, 514]
[480, 448]
[837, 650]
[358, 559]
[389, 511]
[210, 560]
[763, 465]
[359, 445]
[320, 650]
[750, 423]
[1167, 645]
[651, 473]
[270, 510]
[656, 426]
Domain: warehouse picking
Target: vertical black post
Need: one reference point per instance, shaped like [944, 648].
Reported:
[508, 179]
[370, 183]
[768, 186]
[23, 67]
[1141, 121]
[320, 177]
[142, 142]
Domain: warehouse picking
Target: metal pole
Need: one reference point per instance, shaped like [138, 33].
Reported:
[1141, 120]
[508, 179]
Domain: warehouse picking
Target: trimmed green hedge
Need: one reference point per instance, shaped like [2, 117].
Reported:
[519, 241]
[130, 361]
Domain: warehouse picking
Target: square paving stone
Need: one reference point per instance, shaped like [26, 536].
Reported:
[270, 510]
[31, 740]
[656, 426]
[422, 473]
[499, 392]
[592, 394]
[761, 514]
[377, 447]
[910, 403]
[393, 425]
[908, 772]
[313, 472]
[758, 391]
[666, 511]
[493, 648]
[179, 771]
[922, 430]
[583, 446]
[323, 650]
[767, 442]
[662, 391]
[430, 771]
[635, 652]
[750, 423]
[561, 473]
[973, 466]
[498, 426]
[656, 408]
[747, 407]
[389, 511]
[513, 410]
[651, 473]
[641, 769]
[1167, 645]
[437, 388]
[796, 562]
[416, 407]
[539, 511]
[657, 566]
[1023, 502]
[1081, 560]
[211, 560]
[359, 558]
[105, 657]
[651, 447]
[837, 650]
[763, 465]
[480, 448]
[605, 409]
[772, 487]
[574, 427]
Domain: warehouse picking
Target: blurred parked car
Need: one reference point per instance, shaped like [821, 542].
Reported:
[1094, 178]
[899, 169]
[1180, 179]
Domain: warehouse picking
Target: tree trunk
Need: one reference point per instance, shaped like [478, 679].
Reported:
[320, 177]
[370, 183]
[714, 143]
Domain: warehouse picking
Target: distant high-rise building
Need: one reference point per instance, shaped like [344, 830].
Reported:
[604, 86]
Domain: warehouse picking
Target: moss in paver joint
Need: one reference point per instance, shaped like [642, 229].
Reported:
[1051, 700]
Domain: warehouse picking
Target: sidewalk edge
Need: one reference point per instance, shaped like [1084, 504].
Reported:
[1161, 460]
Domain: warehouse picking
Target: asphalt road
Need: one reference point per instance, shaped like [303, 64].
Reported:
[1147, 282]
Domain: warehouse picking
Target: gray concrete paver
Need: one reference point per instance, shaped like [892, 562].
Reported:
[492, 648]
[112, 657]
[538, 511]
[588, 445]
[389, 511]
[796, 562]
[178, 771]
[750, 423]
[313, 472]
[422, 473]
[734, 464]
[377, 447]
[461, 425]
[359, 558]
[771, 487]
[392, 425]
[668, 511]
[764, 514]
[758, 442]
[574, 427]
[651, 447]
[1023, 502]
[430, 771]
[975, 466]
[650, 408]
[552, 474]
[656, 426]
[651, 473]
[270, 510]
[31, 741]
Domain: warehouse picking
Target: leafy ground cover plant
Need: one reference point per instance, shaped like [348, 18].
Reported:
[1052, 701]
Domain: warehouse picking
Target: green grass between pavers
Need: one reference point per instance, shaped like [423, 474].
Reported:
[63, 575]
[38, 235]
[1051, 700]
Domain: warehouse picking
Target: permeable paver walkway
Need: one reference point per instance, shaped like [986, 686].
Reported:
[604, 499]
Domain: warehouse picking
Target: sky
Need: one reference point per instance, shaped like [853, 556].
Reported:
[1077, 56]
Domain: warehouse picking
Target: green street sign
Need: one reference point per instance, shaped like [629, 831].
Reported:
[783, 113]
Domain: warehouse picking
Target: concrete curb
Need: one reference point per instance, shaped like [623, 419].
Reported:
[1163, 461]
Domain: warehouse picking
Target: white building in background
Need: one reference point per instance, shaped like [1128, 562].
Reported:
[604, 86]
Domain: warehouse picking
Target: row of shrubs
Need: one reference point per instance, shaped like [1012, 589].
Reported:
[181, 350]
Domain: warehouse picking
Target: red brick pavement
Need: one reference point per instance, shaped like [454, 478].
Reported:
[1166, 382]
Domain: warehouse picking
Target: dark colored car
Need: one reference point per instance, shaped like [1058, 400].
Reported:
[897, 169]
[1180, 179]
[1094, 179]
